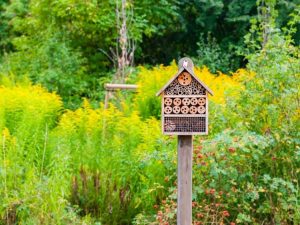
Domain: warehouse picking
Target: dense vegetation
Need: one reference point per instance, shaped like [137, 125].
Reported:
[71, 46]
[65, 159]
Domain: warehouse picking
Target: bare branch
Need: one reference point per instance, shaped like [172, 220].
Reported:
[107, 55]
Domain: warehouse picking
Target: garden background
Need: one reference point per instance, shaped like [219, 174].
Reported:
[65, 159]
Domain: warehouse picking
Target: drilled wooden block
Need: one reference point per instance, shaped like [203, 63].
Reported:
[177, 101]
[201, 109]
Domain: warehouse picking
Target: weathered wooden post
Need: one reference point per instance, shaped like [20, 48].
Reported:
[114, 87]
[185, 113]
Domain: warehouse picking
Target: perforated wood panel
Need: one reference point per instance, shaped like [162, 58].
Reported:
[184, 106]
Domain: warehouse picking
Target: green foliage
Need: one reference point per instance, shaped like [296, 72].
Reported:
[227, 21]
[8, 11]
[113, 166]
[33, 177]
[3, 27]
[70, 46]
[91, 27]
[99, 163]
[118, 163]
[249, 173]
[239, 178]
[61, 45]
[211, 54]
[274, 95]
[245, 167]
[52, 64]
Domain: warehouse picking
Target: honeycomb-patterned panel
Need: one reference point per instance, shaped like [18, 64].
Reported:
[183, 86]
[184, 124]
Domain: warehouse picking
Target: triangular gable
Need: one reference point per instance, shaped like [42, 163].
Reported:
[170, 81]
[177, 74]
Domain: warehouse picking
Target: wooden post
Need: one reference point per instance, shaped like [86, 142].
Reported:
[107, 96]
[110, 88]
[184, 174]
[184, 113]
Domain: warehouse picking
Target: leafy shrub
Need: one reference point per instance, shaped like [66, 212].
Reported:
[248, 173]
[118, 162]
[53, 64]
[94, 162]
[236, 180]
[216, 58]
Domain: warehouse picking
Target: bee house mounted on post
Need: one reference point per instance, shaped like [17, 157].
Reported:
[184, 102]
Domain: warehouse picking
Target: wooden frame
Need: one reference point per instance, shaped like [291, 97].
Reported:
[113, 87]
[185, 116]
[110, 88]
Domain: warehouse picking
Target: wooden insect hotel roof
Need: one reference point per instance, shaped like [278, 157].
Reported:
[184, 67]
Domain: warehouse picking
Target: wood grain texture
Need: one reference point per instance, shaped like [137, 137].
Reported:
[184, 174]
[113, 87]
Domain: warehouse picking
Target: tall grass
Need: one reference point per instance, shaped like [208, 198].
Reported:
[32, 183]
[118, 162]
[57, 165]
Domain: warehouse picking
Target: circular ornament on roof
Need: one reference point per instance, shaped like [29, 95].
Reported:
[184, 78]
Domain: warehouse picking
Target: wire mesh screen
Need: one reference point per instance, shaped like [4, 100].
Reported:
[184, 124]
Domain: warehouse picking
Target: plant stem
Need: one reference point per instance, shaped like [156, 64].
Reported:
[5, 172]
[44, 151]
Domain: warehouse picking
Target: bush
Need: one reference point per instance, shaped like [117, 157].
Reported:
[33, 178]
[55, 166]
[53, 64]
[118, 162]
[216, 58]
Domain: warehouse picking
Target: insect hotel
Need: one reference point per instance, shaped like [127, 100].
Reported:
[185, 103]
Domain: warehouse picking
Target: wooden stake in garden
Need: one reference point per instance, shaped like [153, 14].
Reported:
[185, 113]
